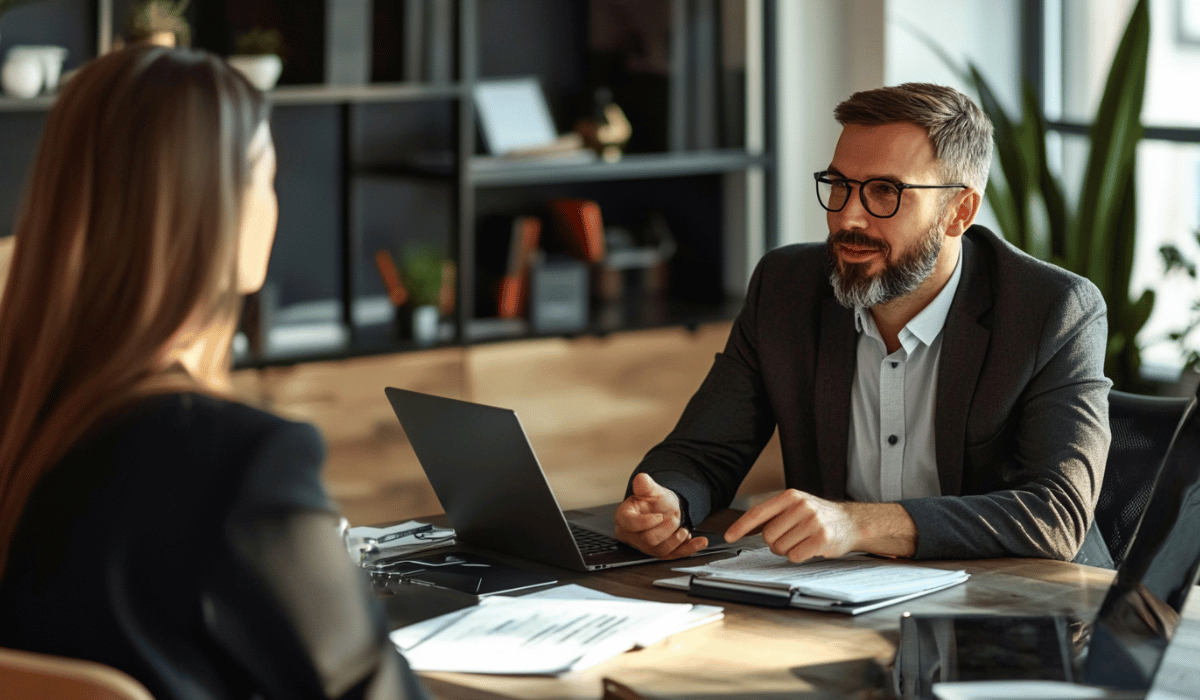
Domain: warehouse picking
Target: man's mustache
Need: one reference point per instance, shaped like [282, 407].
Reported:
[857, 239]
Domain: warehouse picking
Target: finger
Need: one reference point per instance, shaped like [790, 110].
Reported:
[805, 550]
[638, 522]
[662, 532]
[803, 539]
[797, 521]
[688, 548]
[758, 515]
[669, 544]
[645, 487]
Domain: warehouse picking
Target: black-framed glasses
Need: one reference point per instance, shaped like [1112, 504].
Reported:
[881, 198]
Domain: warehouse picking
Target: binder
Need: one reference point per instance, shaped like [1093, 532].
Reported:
[504, 251]
[579, 228]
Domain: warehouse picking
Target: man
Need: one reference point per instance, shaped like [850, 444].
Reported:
[938, 393]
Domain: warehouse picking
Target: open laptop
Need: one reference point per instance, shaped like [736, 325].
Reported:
[495, 494]
[1120, 650]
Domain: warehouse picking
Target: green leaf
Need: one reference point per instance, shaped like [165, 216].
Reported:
[1009, 146]
[1114, 136]
[1139, 312]
[1173, 260]
[1051, 190]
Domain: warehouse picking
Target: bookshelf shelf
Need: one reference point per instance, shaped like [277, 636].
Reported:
[498, 172]
[398, 159]
[33, 104]
[352, 94]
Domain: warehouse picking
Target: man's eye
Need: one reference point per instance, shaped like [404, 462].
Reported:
[880, 188]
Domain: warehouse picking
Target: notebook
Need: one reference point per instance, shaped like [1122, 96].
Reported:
[492, 487]
[1120, 650]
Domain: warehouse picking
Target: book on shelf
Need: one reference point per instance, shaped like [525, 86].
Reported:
[504, 251]
[578, 228]
[852, 584]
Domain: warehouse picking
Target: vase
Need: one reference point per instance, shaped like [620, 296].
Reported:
[262, 71]
[425, 324]
[22, 75]
[52, 63]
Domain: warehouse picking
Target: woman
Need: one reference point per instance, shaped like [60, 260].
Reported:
[145, 521]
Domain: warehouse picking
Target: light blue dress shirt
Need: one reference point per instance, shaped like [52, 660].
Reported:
[892, 452]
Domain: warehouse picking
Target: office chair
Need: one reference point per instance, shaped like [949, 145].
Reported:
[1142, 428]
[27, 675]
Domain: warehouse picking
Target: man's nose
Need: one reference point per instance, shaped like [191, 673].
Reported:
[851, 216]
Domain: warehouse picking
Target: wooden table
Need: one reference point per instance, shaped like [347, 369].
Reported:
[756, 649]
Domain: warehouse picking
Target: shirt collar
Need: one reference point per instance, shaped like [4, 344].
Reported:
[925, 326]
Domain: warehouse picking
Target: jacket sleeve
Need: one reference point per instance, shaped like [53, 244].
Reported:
[725, 425]
[282, 598]
[1050, 457]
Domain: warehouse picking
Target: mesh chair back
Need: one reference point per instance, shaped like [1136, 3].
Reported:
[1142, 428]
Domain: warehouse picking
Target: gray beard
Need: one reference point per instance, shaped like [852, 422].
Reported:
[853, 286]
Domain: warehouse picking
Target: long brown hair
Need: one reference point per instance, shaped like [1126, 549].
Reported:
[127, 234]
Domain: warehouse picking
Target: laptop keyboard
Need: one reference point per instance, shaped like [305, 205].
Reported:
[591, 542]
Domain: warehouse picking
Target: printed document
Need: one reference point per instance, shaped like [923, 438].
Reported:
[527, 635]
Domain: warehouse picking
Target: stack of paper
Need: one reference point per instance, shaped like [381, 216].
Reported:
[853, 584]
[563, 629]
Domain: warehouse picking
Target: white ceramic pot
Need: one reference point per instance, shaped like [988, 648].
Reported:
[22, 75]
[52, 63]
[262, 71]
[425, 324]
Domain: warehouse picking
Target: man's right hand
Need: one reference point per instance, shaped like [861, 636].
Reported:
[649, 520]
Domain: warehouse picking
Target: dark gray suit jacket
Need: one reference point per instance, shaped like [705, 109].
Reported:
[1022, 402]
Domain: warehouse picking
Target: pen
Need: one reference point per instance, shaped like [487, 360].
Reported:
[404, 533]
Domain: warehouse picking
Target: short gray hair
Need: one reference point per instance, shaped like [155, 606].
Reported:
[961, 134]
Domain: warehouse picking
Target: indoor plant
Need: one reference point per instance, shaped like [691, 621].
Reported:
[421, 272]
[257, 56]
[1094, 238]
[158, 22]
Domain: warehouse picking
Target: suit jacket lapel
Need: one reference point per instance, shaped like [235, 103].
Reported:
[836, 360]
[964, 346]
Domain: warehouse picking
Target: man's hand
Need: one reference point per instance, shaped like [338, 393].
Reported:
[801, 526]
[649, 520]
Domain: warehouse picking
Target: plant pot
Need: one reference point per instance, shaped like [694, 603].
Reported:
[425, 324]
[23, 74]
[262, 71]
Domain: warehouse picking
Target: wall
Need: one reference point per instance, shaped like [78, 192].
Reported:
[828, 50]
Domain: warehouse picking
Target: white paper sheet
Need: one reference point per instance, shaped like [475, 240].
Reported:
[697, 616]
[534, 636]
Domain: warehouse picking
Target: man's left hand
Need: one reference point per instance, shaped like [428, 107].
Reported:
[801, 526]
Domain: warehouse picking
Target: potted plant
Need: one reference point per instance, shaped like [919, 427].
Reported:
[157, 22]
[257, 56]
[1094, 238]
[422, 272]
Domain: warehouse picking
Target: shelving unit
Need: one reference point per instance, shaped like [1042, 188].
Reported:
[390, 164]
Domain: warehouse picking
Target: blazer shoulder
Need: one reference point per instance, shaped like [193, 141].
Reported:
[1029, 283]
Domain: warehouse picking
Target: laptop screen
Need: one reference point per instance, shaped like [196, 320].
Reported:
[1141, 611]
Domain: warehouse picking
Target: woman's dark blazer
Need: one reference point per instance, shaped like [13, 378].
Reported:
[188, 541]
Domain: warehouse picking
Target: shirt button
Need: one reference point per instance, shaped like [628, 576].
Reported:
[892, 439]
[895, 364]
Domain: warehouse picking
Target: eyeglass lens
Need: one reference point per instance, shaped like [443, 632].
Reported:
[880, 197]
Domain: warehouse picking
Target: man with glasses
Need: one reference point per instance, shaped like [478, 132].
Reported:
[938, 393]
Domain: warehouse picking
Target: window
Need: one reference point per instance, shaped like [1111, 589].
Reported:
[1080, 40]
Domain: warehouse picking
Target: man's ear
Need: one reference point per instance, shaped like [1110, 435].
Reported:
[963, 209]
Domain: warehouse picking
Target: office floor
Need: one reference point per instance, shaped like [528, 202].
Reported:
[591, 407]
